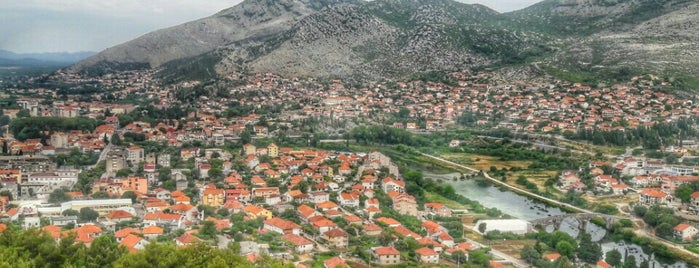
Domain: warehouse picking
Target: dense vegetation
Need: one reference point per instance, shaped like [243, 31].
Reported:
[653, 137]
[35, 248]
[36, 127]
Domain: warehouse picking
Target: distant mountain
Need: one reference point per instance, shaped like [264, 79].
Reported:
[394, 39]
[9, 58]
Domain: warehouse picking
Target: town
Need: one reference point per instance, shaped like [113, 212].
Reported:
[237, 163]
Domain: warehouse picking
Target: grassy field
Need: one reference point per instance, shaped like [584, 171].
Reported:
[434, 197]
[484, 162]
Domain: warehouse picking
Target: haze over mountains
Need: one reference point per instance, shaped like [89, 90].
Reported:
[396, 39]
[11, 59]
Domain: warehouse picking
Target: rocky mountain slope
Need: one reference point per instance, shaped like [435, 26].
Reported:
[250, 20]
[394, 39]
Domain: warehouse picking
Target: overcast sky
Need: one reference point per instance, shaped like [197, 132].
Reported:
[93, 25]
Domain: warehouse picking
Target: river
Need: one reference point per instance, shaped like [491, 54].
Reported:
[527, 209]
[492, 197]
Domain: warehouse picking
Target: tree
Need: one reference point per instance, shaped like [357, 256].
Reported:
[59, 196]
[6, 193]
[613, 257]
[208, 230]
[124, 172]
[129, 194]
[565, 248]
[70, 212]
[664, 229]
[104, 251]
[116, 139]
[684, 192]
[589, 251]
[100, 195]
[630, 262]
[482, 227]
[88, 214]
[530, 254]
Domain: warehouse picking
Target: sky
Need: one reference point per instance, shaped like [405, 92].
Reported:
[31, 26]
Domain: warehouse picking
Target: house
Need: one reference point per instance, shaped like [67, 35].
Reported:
[386, 255]
[405, 204]
[685, 232]
[305, 212]
[213, 197]
[122, 233]
[653, 196]
[438, 209]
[323, 225]
[602, 264]
[427, 255]
[282, 226]
[273, 150]
[135, 154]
[119, 216]
[552, 257]
[349, 199]
[186, 239]
[134, 243]
[335, 262]
[254, 212]
[694, 203]
[301, 245]
[371, 229]
[152, 232]
[392, 185]
[336, 238]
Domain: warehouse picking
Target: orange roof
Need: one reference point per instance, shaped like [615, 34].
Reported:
[126, 231]
[655, 193]
[388, 221]
[326, 204]
[306, 211]
[552, 256]
[2, 227]
[335, 233]
[181, 207]
[324, 223]
[130, 242]
[119, 214]
[187, 238]
[681, 227]
[494, 264]
[695, 195]
[603, 264]
[152, 230]
[371, 227]
[425, 251]
[282, 224]
[89, 229]
[53, 230]
[177, 193]
[335, 262]
[213, 192]
[296, 240]
[386, 251]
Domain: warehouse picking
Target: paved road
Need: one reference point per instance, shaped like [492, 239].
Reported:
[639, 233]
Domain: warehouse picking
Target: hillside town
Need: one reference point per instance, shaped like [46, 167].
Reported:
[180, 179]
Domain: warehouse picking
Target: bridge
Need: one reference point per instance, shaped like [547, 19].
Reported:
[581, 218]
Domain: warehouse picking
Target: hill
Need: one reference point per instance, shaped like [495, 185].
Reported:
[584, 40]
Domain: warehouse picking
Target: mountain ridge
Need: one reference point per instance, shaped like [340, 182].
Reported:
[394, 39]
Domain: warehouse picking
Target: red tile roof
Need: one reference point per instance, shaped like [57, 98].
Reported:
[386, 251]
